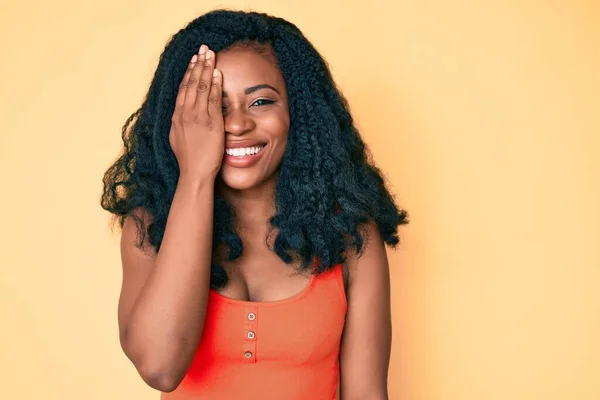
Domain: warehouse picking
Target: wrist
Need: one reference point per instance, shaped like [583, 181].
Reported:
[196, 182]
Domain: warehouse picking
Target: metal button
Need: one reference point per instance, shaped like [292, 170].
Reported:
[247, 354]
[251, 316]
[251, 335]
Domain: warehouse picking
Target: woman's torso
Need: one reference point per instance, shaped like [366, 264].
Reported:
[286, 349]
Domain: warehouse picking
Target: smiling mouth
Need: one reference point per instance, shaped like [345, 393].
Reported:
[245, 152]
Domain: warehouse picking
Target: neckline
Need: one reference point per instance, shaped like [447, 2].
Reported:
[247, 303]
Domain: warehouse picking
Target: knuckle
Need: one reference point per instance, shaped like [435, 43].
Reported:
[188, 117]
[203, 86]
[213, 98]
[192, 81]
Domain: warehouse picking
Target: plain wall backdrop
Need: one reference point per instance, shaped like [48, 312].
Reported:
[484, 117]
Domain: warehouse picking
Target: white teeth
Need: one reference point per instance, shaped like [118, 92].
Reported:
[244, 151]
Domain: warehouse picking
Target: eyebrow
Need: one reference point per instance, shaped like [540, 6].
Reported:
[253, 89]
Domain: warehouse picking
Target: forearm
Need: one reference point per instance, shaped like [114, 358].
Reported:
[166, 321]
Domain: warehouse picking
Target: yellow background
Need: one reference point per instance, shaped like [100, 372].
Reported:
[483, 114]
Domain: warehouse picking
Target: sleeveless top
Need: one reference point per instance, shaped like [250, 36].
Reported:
[286, 349]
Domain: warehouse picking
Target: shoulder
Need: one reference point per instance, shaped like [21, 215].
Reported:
[371, 262]
[134, 231]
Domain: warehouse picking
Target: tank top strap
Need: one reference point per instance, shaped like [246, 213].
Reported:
[333, 280]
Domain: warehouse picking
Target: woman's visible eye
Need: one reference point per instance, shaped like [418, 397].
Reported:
[263, 102]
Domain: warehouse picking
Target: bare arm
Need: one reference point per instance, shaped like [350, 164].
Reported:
[164, 296]
[366, 342]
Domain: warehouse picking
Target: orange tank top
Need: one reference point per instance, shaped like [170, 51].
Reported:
[277, 350]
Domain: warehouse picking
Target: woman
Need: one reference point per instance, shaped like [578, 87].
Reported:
[254, 226]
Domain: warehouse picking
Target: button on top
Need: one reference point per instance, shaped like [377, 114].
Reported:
[247, 354]
[251, 316]
[251, 335]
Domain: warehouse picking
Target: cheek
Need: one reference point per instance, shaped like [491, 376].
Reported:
[277, 127]
[278, 141]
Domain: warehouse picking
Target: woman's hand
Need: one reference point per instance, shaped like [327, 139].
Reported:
[197, 134]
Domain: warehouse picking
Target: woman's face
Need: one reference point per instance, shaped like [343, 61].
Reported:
[256, 116]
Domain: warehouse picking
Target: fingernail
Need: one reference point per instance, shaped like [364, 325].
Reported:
[215, 73]
[203, 49]
[194, 58]
[208, 55]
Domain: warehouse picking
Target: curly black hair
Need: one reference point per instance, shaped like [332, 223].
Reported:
[327, 188]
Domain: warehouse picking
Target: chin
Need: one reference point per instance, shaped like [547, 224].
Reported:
[238, 180]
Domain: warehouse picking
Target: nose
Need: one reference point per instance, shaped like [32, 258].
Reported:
[237, 121]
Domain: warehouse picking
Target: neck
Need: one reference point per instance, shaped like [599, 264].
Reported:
[253, 207]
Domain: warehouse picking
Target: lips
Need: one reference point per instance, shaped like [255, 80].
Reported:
[244, 161]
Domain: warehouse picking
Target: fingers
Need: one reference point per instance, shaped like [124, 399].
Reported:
[215, 97]
[186, 77]
[191, 86]
[203, 87]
